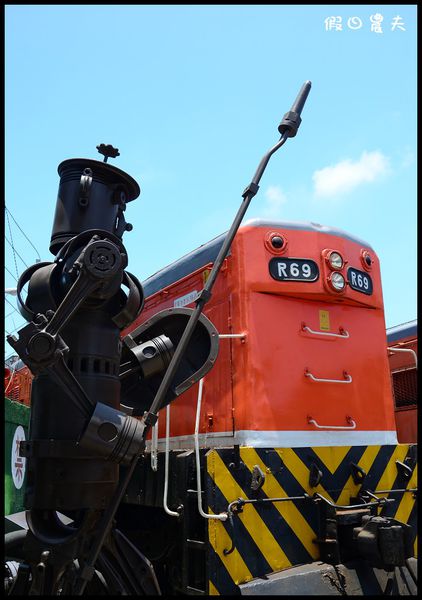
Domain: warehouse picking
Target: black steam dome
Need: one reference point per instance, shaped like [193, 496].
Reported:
[92, 195]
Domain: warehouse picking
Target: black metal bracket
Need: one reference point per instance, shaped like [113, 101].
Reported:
[251, 190]
[315, 475]
[150, 419]
[358, 474]
[203, 297]
[85, 187]
[258, 478]
[404, 470]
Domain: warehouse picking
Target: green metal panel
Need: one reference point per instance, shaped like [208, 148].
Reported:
[16, 429]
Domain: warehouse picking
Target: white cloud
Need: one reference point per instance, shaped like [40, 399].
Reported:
[346, 175]
[275, 198]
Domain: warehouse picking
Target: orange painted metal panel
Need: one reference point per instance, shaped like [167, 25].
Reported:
[273, 392]
[259, 383]
[407, 425]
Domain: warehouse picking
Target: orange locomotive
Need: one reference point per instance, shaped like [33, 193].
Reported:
[305, 303]
[291, 431]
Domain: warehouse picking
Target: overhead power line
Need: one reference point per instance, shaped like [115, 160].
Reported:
[21, 230]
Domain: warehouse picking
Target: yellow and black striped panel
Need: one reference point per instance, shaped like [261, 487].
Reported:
[273, 536]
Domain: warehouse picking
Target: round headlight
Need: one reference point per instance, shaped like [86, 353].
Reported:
[336, 260]
[337, 281]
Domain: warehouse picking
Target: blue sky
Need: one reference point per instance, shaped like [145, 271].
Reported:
[192, 96]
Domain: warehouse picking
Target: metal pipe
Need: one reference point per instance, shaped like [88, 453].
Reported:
[154, 446]
[221, 516]
[172, 513]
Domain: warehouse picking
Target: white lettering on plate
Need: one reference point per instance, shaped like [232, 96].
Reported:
[186, 299]
[282, 269]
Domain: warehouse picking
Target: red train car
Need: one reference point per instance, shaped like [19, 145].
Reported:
[18, 382]
[402, 345]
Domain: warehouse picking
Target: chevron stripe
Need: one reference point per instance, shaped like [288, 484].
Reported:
[405, 507]
[375, 478]
[366, 463]
[332, 457]
[250, 518]
[245, 543]
[387, 479]
[404, 503]
[339, 476]
[298, 527]
[273, 536]
[234, 563]
[333, 481]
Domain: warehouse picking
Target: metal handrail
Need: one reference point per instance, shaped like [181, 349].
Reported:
[321, 380]
[222, 516]
[154, 450]
[172, 513]
[231, 335]
[345, 335]
[154, 447]
[348, 419]
[415, 356]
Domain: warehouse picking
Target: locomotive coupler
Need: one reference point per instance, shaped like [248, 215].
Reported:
[357, 532]
[383, 541]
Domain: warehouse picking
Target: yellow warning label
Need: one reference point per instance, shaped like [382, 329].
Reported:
[205, 275]
[324, 320]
